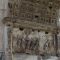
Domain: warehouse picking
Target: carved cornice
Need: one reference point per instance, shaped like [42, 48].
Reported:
[26, 24]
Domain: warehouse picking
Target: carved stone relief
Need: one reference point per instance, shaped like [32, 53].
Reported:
[29, 41]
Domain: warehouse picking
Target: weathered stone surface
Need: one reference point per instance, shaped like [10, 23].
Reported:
[40, 11]
[33, 14]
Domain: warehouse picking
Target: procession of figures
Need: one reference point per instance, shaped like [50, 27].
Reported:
[31, 41]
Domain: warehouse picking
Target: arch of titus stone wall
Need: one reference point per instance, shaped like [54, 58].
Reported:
[40, 15]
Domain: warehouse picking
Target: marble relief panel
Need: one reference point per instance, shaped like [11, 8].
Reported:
[30, 41]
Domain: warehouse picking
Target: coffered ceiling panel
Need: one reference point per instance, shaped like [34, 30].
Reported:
[39, 11]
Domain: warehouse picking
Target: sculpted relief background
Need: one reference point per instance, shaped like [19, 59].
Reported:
[28, 41]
